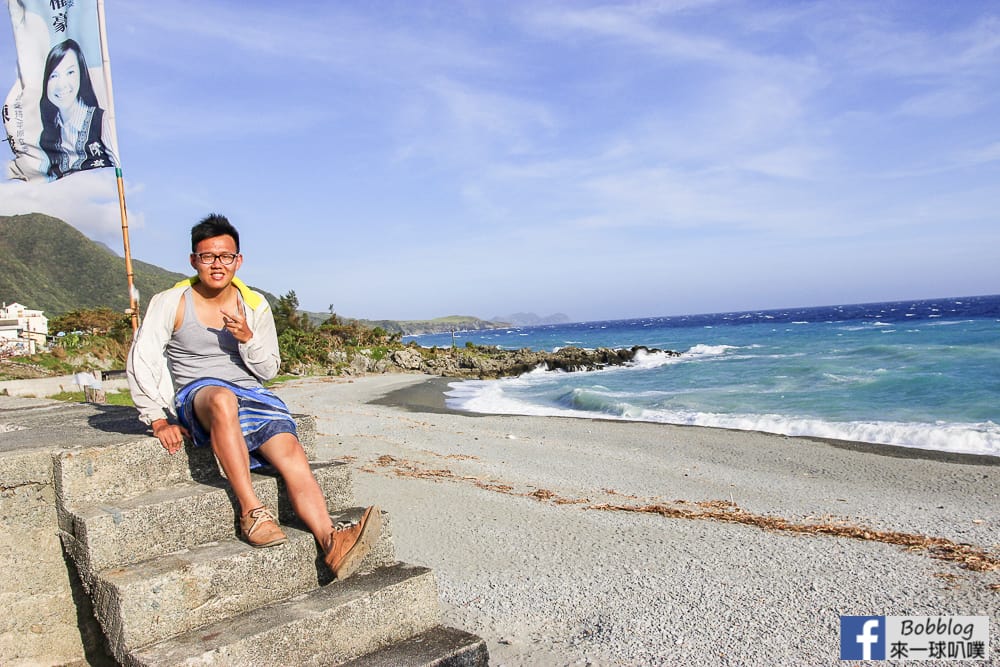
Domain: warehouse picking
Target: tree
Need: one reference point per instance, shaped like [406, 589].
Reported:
[95, 321]
[286, 314]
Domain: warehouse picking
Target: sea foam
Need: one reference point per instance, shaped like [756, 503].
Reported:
[489, 397]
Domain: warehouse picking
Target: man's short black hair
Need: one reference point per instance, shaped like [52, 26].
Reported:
[212, 226]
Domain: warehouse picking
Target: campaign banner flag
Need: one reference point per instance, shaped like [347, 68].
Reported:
[58, 115]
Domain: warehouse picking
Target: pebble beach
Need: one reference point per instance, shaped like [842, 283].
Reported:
[565, 541]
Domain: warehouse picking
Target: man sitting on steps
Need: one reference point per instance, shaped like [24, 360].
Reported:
[195, 369]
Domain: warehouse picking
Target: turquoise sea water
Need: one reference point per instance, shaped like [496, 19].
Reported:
[914, 373]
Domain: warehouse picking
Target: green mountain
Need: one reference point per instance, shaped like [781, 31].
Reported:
[48, 265]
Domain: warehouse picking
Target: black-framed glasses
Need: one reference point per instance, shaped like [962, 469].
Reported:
[208, 258]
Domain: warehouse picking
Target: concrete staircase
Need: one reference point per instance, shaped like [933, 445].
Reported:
[154, 538]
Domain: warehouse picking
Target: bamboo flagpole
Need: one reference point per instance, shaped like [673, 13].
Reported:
[133, 299]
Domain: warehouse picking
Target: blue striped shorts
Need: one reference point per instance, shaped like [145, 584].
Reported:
[262, 416]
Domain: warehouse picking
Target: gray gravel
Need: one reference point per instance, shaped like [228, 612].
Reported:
[559, 584]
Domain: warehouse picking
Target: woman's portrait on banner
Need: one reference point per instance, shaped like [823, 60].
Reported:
[59, 114]
[74, 126]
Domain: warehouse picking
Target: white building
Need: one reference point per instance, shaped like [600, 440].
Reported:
[22, 330]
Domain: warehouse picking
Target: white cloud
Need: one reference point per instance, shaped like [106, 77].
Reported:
[638, 25]
[88, 201]
[480, 115]
[332, 36]
[943, 102]
[980, 155]
[870, 42]
[796, 162]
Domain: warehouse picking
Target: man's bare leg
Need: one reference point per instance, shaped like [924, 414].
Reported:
[284, 452]
[345, 547]
[218, 411]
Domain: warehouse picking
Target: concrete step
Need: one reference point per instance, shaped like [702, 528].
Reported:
[155, 541]
[135, 466]
[326, 626]
[440, 646]
[172, 594]
[103, 536]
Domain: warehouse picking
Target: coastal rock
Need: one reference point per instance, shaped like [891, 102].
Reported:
[335, 357]
[360, 363]
[490, 363]
[407, 359]
[472, 361]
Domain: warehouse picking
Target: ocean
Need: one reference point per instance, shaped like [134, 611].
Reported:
[922, 374]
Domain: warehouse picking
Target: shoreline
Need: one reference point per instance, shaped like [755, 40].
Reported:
[428, 396]
[552, 538]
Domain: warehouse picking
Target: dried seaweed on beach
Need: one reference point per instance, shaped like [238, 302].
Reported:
[409, 469]
[442, 473]
[966, 555]
[499, 488]
[613, 492]
[452, 457]
[545, 494]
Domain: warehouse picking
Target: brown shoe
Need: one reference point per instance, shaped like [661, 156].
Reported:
[350, 542]
[260, 528]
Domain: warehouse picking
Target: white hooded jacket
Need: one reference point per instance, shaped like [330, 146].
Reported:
[148, 373]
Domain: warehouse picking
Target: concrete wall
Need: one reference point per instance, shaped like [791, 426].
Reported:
[40, 624]
[45, 615]
[42, 387]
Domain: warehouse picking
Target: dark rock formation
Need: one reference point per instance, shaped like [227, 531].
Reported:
[474, 362]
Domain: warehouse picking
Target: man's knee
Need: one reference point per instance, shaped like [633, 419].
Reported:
[284, 448]
[213, 403]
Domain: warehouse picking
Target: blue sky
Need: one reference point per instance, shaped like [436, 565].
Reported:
[408, 160]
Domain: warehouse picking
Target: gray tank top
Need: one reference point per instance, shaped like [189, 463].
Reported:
[196, 351]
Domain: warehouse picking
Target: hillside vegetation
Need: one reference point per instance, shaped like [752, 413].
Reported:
[416, 327]
[48, 265]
